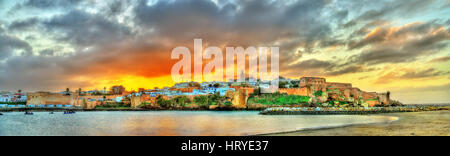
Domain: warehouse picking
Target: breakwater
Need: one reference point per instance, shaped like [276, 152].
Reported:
[343, 111]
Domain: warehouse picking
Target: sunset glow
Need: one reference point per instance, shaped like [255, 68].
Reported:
[397, 46]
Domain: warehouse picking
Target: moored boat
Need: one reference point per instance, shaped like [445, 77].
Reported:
[69, 112]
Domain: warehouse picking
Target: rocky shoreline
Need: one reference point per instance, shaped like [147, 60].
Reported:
[263, 110]
[347, 110]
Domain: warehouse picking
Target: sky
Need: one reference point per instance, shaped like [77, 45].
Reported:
[401, 46]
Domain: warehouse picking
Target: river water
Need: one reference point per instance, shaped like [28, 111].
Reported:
[170, 123]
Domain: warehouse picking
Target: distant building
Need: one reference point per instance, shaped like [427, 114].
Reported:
[117, 90]
[321, 91]
[47, 98]
[142, 90]
[187, 85]
[304, 81]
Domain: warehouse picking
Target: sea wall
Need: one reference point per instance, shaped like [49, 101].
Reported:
[337, 111]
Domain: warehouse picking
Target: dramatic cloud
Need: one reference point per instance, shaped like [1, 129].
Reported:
[10, 44]
[375, 36]
[441, 59]
[401, 44]
[390, 9]
[421, 74]
[55, 44]
[86, 29]
[47, 4]
[410, 74]
[116, 7]
[350, 69]
[250, 21]
[313, 63]
[22, 25]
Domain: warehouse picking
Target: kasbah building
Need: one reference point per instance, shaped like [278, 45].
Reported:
[322, 91]
[73, 99]
[317, 88]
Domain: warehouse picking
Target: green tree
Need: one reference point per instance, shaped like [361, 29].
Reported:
[282, 84]
[19, 91]
[163, 102]
[318, 93]
[202, 101]
[228, 103]
[245, 85]
[256, 92]
[216, 99]
[181, 101]
[279, 99]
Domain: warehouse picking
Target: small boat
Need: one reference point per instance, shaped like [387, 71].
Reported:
[1, 114]
[69, 112]
[29, 113]
[52, 113]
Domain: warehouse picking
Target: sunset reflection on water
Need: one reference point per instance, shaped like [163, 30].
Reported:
[170, 123]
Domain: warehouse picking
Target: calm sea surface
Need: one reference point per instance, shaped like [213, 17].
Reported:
[169, 123]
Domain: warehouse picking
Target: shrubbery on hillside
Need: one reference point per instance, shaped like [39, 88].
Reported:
[14, 103]
[279, 99]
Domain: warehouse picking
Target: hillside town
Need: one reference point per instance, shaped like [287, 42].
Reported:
[306, 91]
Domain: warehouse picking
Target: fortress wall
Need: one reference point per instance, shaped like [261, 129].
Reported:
[369, 95]
[58, 99]
[46, 98]
[36, 98]
[248, 90]
[357, 93]
[305, 81]
[240, 98]
[385, 98]
[339, 85]
[304, 91]
[135, 101]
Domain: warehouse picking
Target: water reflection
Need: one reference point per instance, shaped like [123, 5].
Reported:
[169, 123]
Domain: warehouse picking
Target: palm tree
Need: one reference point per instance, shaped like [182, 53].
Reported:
[20, 95]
